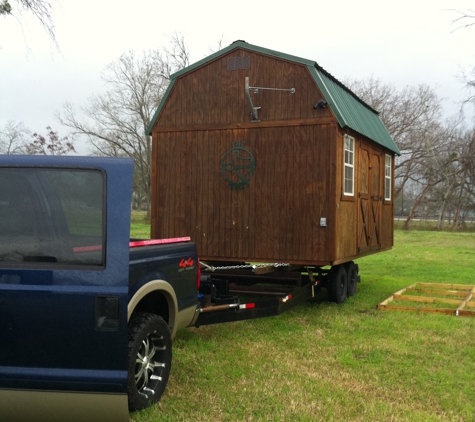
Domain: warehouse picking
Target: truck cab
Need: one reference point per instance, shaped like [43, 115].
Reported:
[76, 295]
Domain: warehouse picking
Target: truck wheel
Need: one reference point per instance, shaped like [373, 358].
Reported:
[352, 277]
[150, 358]
[338, 284]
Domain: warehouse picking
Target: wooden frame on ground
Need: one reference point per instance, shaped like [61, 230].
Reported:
[451, 299]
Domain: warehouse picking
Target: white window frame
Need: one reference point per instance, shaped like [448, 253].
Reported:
[387, 177]
[349, 163]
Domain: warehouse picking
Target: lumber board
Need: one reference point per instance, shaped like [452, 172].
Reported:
[447, 286]
[446, 311]
[399, 292]
[426, 299]
[467, 299]
[441, 292]
[464, 292]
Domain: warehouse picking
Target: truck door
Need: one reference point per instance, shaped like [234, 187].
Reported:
[64, 256]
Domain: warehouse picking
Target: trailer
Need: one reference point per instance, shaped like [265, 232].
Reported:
[264, 157]
[243, 292]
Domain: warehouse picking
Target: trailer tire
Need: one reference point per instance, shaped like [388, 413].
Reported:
[150, 354]
[338, 286]
[352, 278]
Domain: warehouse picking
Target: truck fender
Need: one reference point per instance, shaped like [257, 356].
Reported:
[167, 290]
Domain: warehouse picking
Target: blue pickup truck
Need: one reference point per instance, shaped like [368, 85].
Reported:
[87, 315]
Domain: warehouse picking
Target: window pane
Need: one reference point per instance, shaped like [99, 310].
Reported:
[52, 216]
[348, 180]
[349, 143]
[348, 165]
[387, 179]
[387, 189]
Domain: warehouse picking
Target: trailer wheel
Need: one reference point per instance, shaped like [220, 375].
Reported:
[338, 284]
[352, 277]
[150, 358]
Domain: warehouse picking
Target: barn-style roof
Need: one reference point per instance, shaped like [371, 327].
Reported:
[348, 108]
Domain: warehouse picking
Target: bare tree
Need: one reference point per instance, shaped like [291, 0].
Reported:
[116, 121]
[465, 188]
[219, 45]
[436, 157]
[13, 138]
[464, 20]
[411, 115]
[468, 79]
[176, 54]
[51, 144]
[41, 9]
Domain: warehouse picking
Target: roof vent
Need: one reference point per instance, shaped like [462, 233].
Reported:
[239, 63]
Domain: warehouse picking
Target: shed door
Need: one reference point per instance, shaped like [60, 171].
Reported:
[375, 220]
[369, 200]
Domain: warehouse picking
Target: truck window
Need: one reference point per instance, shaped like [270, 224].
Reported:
[52, 217]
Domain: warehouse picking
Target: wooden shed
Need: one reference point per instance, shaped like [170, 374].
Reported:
[261, 156]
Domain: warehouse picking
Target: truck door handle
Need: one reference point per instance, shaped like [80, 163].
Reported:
[106, 313]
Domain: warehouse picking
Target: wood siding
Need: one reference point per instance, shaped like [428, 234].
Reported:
[212, 95]
[275, 218]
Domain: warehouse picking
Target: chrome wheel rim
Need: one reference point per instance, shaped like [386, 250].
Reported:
[150, 364]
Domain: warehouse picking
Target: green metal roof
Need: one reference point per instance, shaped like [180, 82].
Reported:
[349, 110]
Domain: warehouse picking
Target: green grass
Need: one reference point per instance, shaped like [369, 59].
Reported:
[328, 362]
[140, 226]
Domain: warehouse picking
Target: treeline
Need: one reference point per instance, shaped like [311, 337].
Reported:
[435, 173]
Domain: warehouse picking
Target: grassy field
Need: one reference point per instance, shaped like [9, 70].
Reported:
[140, 227]
[328, 362]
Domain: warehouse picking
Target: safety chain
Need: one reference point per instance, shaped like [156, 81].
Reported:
[240, 267]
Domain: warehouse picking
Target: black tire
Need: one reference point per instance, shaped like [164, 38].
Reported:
[338, 284]
[150, 359]
[352, 276]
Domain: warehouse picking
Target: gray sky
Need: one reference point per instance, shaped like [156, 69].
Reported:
[402, 43]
